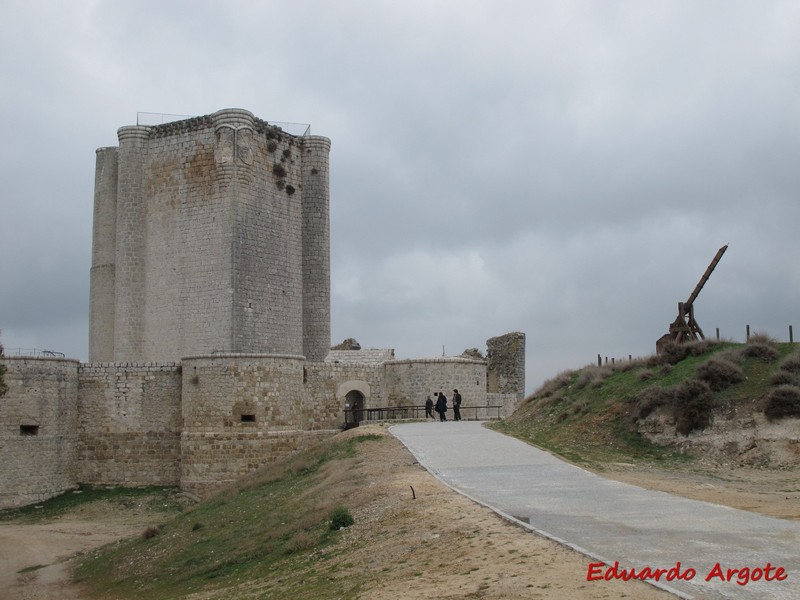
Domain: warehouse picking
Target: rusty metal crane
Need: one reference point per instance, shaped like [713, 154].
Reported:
[684, 328]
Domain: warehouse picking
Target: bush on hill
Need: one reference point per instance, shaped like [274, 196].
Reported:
[761, 347]
[550, 386]
[782, 402]
[673, 353]
[651, 398]
[791, 364]
[719, 372]
[784, 378]
[693, 405]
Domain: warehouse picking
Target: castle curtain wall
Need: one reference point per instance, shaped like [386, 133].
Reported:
[410, 382]
[506, 364]
[38, 429]
[241, 412]
[211, 240]
[129, 423]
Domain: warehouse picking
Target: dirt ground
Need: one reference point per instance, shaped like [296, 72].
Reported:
[429, 542]
[35, 558]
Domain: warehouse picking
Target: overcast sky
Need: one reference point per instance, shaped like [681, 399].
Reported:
[563, 168]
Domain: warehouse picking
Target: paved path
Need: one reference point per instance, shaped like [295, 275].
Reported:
[608, 520]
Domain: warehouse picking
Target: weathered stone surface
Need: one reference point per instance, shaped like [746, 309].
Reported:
[210, 324]
[211, 234]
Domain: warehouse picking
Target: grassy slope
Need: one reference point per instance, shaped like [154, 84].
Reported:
[272, 528]
[585, 415]
[151, 499]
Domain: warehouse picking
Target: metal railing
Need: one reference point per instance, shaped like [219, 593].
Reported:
[32, 352]
[352, 417]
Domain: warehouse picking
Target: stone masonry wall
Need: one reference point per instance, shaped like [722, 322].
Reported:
[316, 247]
[331, 381]
[506, 403]
[410, 382]
[506, 364]
[241, 412]
[187, 220]
[259, 174]
[38, 425]
[104, 248]
[369, 356]
[211, 235]
[129, 423]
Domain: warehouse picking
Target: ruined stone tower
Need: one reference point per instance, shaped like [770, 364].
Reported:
[211, 234]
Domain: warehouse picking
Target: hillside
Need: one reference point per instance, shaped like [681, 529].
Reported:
[716, 422]
[706, 404]
[412, 537]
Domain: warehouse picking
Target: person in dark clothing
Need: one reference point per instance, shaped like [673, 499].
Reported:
[456, 405]
[441, 406]
[429, 408]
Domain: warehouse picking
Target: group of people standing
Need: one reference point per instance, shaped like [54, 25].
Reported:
[440, 406]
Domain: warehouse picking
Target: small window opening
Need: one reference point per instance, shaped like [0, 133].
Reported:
[29, 430]
[248, 418]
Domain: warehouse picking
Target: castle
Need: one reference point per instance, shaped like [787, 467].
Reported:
[209, 328]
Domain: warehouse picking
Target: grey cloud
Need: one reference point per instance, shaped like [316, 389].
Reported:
[564, 169]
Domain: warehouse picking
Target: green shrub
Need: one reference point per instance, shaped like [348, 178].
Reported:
[719, 372]
[791, 364]
[655, 360]
[299, 541]
[646, 374]
[674, 353]
[761, 347]
[592, 376]
[340, 517]
[784, 378]
[650, 399]
[693, 405]
[783, 402]
[558, 382]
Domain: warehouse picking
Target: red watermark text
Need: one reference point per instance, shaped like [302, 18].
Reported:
[741, 575]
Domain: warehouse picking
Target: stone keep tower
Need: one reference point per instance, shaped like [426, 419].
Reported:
[211, 234]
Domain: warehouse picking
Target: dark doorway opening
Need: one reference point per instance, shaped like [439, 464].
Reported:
[353, 408]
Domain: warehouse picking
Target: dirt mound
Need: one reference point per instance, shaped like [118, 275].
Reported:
[419, 538]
